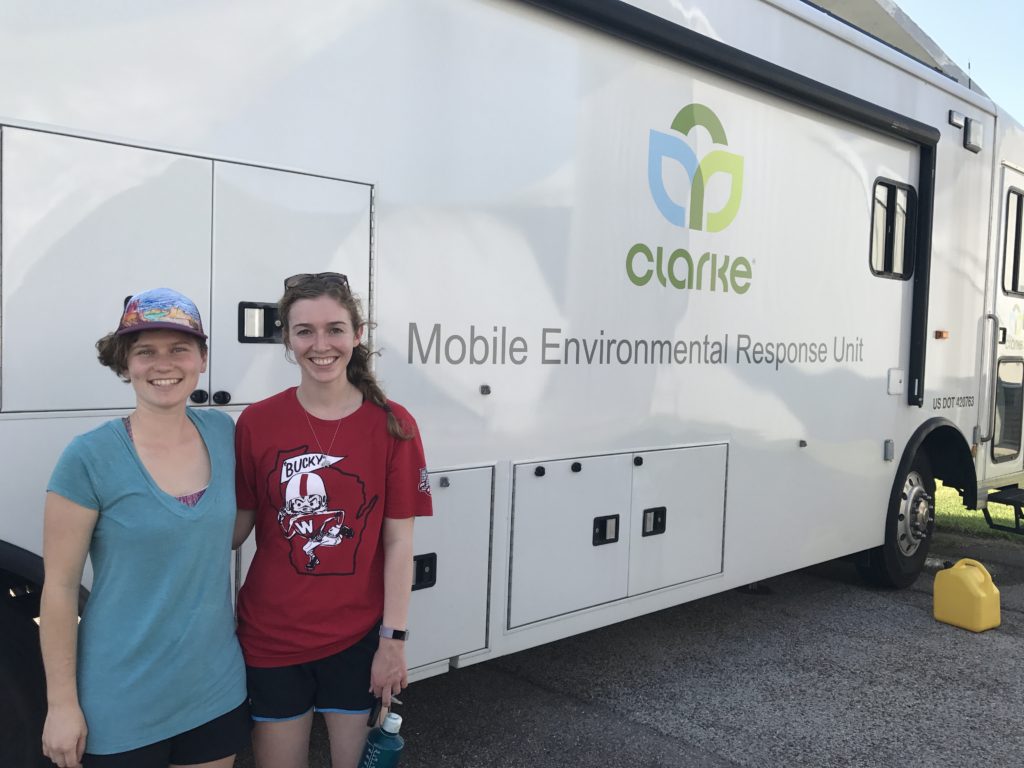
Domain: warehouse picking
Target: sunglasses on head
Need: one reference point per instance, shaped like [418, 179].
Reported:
[323, 277]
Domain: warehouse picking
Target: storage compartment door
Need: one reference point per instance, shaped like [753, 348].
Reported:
[448, 610]
[269, 225]
[678, 516]
[570, 536]
[85, 225]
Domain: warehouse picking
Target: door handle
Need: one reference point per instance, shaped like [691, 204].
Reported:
[258, 323]
[654, 521]
[424, 571]
[605, 530]
[987, 425]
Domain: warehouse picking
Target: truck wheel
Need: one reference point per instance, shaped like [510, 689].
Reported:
[908, 530]
[21, 679]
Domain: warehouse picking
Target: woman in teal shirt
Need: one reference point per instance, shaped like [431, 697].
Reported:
[153, 675]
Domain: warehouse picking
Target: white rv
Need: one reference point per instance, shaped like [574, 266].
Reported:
[683, 295]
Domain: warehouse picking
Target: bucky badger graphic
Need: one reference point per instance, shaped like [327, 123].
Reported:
[319, 509]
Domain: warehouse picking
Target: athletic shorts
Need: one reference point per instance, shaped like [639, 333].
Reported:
[223, 736]
[338, 683]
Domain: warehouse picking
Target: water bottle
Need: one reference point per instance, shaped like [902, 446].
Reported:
[383, 744]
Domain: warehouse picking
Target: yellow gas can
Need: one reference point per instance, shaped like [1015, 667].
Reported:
[966, 597]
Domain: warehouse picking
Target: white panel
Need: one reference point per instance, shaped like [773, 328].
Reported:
[86, 224]
[555, 566]
[690, 484]
[450, 617]
[269, 225]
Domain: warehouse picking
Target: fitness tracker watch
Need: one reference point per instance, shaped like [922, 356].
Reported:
[394, 634]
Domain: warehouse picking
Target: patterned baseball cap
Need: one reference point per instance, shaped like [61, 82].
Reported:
[160, 309]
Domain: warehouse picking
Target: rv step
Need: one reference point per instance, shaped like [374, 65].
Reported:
[1013, 497]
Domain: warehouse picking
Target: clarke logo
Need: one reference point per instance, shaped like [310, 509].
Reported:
[665, 145]
[713, 271]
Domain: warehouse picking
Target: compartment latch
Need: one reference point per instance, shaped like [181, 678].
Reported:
[654, 521]
[606, 530]
[424, 571]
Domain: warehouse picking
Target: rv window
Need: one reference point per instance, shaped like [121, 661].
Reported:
[1009, 410]
[892, 230]
[1013, 281]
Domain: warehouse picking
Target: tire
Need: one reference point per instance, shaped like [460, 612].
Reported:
[909, 525]
[22, 705]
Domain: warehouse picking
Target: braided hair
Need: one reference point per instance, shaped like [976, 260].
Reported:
[358, 370]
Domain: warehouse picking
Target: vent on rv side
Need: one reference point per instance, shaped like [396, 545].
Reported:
[258, 323]
[893, 227]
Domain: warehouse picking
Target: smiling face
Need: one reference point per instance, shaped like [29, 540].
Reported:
[164, 368]
[321, 336]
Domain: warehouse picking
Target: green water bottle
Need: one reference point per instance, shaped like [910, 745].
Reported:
[383, 745]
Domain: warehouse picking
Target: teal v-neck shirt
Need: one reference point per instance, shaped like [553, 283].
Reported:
[157, 653]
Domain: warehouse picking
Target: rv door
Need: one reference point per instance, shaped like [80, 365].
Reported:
[1000, 430]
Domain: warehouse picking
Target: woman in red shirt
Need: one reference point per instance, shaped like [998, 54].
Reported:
[332, 474]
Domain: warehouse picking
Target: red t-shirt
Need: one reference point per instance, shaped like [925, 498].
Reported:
[316, 584]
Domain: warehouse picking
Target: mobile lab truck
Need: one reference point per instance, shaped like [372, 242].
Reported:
[682, 295]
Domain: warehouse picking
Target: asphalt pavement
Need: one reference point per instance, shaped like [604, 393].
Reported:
[813, 669]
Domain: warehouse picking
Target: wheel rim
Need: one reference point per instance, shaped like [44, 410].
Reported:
[916, 516]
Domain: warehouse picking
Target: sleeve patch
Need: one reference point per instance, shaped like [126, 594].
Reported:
[424, 486]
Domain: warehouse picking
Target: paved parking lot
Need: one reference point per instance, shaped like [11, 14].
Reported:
[819, 671]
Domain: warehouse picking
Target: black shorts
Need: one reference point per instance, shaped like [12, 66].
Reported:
[338, 683]
[223, 736]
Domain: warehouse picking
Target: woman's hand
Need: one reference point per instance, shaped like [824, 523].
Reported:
[64, 735]
[388, 674]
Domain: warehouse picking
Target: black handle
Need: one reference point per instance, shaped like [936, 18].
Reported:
[199, 397]
[539, 471]
[576, 466]
[605, 530]
[654, 521]
[222, 397]
[638, 461]
[424, 571]
[258, 323]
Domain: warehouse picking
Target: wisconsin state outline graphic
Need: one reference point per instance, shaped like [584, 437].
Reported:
[322, 511]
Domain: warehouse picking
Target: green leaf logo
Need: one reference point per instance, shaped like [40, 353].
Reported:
[670, 146]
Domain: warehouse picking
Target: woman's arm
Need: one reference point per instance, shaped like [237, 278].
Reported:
[389, 674]
[245, 482]
[244, 521]
[67, 531]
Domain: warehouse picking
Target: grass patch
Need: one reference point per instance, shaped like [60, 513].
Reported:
[952, 515]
